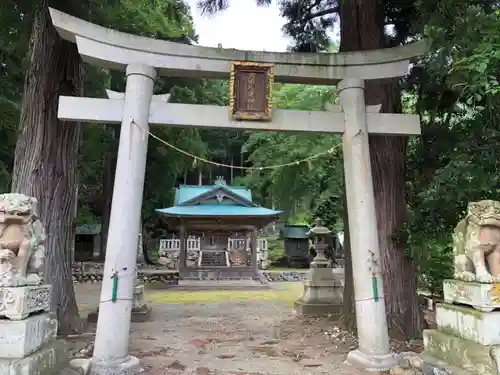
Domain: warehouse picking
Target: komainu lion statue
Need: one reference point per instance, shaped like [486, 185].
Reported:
[476, 243]
[22, 240]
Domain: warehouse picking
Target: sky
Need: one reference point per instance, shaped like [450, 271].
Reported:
[242, 26]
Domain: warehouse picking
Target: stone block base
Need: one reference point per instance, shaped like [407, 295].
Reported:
[16, 303]
[130, 367]
[471, 324]
[19, 338]
[322, 293]
[472, 357]
[317, 309]
[484, 297]
[371, 362]
[49, 360]
[139, 314]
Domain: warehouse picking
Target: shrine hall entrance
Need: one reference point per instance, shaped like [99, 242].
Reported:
[216, 230]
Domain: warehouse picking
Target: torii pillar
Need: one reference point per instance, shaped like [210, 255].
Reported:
[110, 355]
[373, 352]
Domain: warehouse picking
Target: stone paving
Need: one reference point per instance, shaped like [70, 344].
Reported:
[240, 333]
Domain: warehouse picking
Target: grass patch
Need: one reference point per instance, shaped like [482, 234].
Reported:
[285, 269]
[288, 294]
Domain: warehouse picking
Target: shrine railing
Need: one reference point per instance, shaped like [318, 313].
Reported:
[194, 244]
[261, 244]
[236, 243]
[172, 244]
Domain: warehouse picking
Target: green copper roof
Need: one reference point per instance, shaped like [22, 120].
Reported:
[218, 210]
[185, 193]
[215, 200]
[295, 231]
[88, 229]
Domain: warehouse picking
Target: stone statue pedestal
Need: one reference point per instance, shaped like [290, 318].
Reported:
[467, 337]
[322, 292]
[17, 303]
[141, 312]
[481, 296]
[28, 343]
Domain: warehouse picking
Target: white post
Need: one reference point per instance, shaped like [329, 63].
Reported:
[113, 325]
[373, 350]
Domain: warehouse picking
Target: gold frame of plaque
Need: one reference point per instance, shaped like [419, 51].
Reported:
[250, 91]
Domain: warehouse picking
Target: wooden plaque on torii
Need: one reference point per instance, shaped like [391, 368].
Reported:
[250, 91]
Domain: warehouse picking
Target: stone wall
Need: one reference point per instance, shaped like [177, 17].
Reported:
[89, 272]
[284, 275]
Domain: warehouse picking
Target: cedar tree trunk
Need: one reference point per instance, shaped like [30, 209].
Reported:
[117, 83]
[46, 156]
[348, 306]
[108, 182]
[362, 28]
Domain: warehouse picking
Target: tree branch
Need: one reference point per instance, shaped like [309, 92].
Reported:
[321, 13]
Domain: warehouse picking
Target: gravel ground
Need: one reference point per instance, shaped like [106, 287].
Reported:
[237, 337]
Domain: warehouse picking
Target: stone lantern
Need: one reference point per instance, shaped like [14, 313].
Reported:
[322, 289]
[319, 236]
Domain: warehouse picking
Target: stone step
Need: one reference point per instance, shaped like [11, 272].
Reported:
[225, 273]
[213, 259]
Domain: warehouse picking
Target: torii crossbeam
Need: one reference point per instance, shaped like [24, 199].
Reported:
[210, 116]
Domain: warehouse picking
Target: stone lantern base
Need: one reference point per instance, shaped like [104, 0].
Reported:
[141, 312]
[322, 293]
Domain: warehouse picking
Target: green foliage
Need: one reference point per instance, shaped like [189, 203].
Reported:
[329, 211]
[165, 19]
[436, 264]
[9, 112]
[301, 219]
[454, 161]
[295, 189]
[466, 43]
[276, 248]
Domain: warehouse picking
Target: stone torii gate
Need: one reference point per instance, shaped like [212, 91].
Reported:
[143, 59]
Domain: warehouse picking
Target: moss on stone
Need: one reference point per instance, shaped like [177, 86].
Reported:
[466, 310]
[456, 351]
